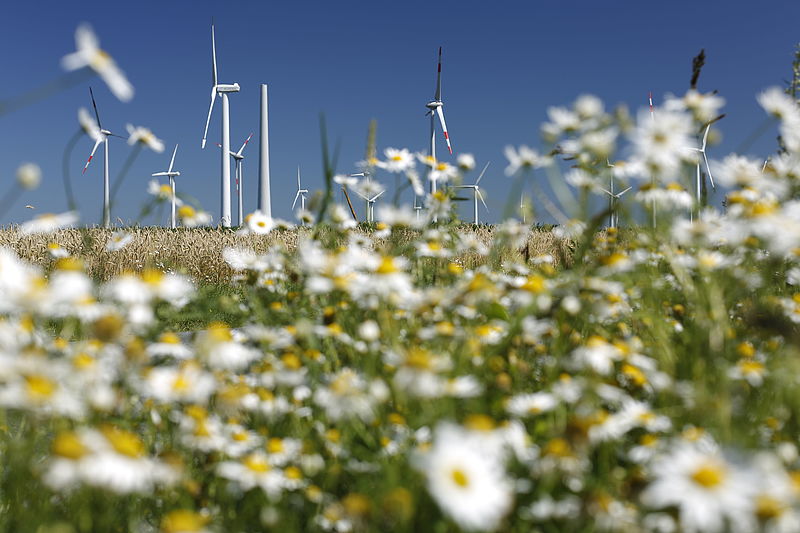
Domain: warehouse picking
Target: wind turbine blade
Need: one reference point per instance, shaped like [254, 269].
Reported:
[96, 114]
[244, 144]
[100, 139]
[708, 169]
[444, 127]
[623, 192]
[208, 119]
[650, 97]
[115, 135]
[361, 195]
[172, 162]
[438, 95]
[480, 197]
[480, 177]
[298, 177]
[606, 191]
[296, 196]
[377, 196]
[705, 138]
[213, 56]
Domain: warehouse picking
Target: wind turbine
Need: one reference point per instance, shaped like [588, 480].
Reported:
[371, 204]
[476, 193]
[171, 175]
[301, 193]
[702, 150]
[613, 220]
[102, 137]
[417, 207]
[238, 174]
[221, 90]
[435, 108]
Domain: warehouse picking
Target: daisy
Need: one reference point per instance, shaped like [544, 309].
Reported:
[466, 162]
[469, 484]
[524, 405]
[48, 223]
[706, 488]
[259, 223]
[88, 123]
[90, 55]
[525, 158]
[252, 471]
[397, 160]
[140, 134]
[660, 144]
[118, 240]
[192, 218]
[29, 175]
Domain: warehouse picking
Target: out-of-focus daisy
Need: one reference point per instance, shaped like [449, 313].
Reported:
[145, 137]
[660, 144]
[707, 489]
[252, 471]
[192, 218]
[118, 240]
[162, 192]
[259, 223]
[57, 251]
[523, 158]
[29, 175]
[88, 123]
[397, 160]
[465, 480]
[49, 223]
[90, 55]
[466, 162]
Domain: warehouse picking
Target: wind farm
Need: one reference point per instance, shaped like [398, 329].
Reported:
[580, 313]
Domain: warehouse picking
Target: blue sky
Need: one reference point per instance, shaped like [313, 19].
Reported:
[504, 64]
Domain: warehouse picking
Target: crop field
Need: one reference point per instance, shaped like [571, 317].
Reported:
[197, 252]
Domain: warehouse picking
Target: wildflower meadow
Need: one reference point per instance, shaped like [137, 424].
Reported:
[420, 374]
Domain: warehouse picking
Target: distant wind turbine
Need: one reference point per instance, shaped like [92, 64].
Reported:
[221, 90]
[102, 137]
[476, 194]
[238, 174]
[613, 220]
[171, 175]
[301, 193]
[702, 151]
[371, 204]
[435, 108]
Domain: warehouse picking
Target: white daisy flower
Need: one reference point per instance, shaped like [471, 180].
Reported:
[140, 134]
[90, 55]
[49, 223]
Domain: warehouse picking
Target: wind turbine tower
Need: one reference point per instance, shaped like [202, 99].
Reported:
[222, 90]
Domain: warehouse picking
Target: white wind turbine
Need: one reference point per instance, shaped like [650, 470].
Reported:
[702, 150]
[476, 194]
[221, 90]
[435, 108]
[102, 137]
[301, 193]
[171, 175]
[417, 207]
[613, 220]
[371, 204]
[238, 174]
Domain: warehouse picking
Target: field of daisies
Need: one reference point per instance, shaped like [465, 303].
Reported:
[650, 381]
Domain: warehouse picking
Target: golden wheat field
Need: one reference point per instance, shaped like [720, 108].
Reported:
[197, 252]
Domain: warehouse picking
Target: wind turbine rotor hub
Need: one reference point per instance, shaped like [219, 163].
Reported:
[433, 105]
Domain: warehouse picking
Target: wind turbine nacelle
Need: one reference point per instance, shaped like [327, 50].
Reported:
[433, 105]
[228, 88]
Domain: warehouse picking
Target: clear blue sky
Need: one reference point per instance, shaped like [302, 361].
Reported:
[504, 64]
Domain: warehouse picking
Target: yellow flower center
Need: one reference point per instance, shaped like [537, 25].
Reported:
[709, 475]
[275, 445]
[40, 387]
[169, 338]
[124, 442]
[183, 521]
[69, 445]
[768, 507]
[186, 211]
[256, 463]
[459, 477]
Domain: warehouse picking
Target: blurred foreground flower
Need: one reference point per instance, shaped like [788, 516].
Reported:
[29, 175]
[140, 134]
[49, 222]
[90, 55]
